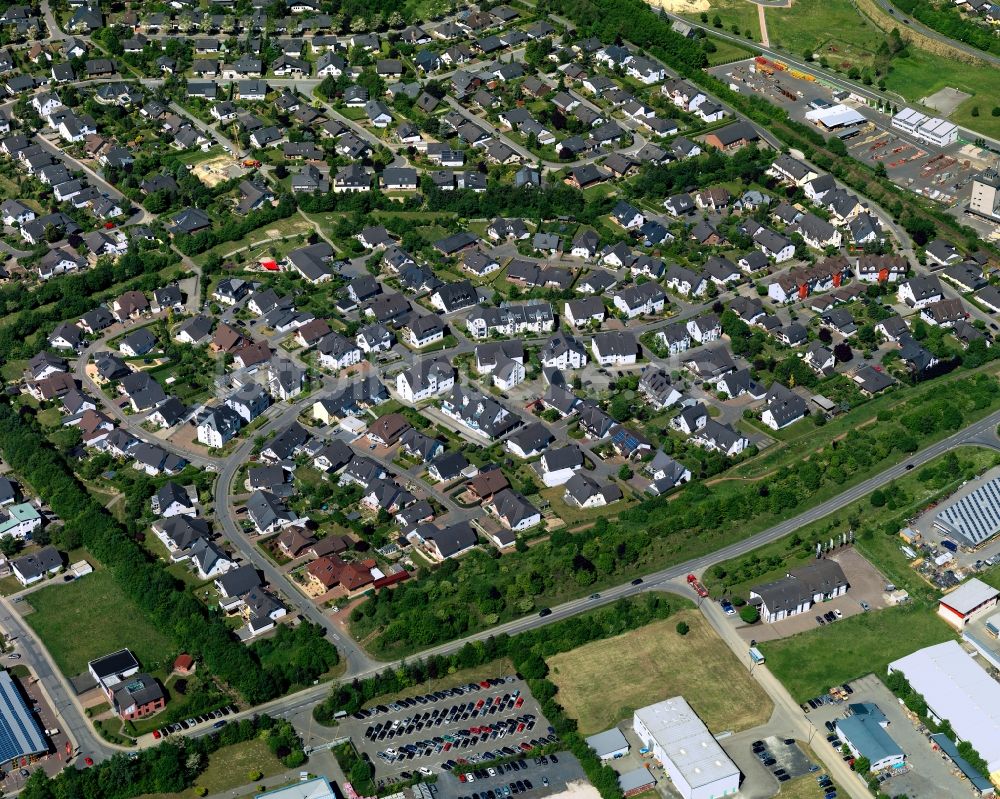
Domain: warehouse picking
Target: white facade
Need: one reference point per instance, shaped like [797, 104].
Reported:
[696, 764]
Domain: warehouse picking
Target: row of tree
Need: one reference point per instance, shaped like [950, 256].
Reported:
[169, 767]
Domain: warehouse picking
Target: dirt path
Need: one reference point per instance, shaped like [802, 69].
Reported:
[764, 40]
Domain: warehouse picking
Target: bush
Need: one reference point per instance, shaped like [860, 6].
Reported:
[683, 628]
[750, 614]
[201, 790]
[255, 775]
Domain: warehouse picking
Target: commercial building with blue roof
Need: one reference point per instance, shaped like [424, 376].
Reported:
[864, 733]
[20, 735]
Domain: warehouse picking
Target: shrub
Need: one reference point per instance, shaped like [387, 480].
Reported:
[683, 628]
[750, 614]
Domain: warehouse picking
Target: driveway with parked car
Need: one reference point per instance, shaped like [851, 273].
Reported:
[434, 733]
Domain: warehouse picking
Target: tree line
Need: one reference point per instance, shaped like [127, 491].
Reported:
[170, 767]
[255, 673]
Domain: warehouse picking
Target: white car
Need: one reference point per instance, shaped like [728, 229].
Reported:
[425, 771]
[838, 613]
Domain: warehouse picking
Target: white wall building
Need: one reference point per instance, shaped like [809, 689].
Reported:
[696, 764]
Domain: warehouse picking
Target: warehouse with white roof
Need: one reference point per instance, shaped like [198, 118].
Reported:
[836, 116]
[930, 129]
[958, 689]
[969, 601]
[692, 758]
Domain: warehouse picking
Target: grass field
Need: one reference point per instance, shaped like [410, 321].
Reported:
[605, 681]
[229, 768]
[734, 12]
[262, 240]
[725, 52]
[924, 73]
[810, 663]
[72, 619]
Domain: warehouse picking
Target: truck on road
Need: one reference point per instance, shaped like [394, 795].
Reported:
[699, 589]
[756, 656]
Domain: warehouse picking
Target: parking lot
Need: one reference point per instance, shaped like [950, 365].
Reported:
[930, 774]
[529, 777]
[469, 723]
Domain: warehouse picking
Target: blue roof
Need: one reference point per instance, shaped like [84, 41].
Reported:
[20, 734]
[948, 747]
[868, 737]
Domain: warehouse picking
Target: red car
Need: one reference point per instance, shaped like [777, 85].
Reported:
[156, 734]
[480, 703]
[461, 777]
[520, 727]
[484, 684]
[519, 702]
[88, 761]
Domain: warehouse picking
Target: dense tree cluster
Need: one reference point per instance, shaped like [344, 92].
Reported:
[257, 673]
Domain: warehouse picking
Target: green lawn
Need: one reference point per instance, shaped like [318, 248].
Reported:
[923, 73]
[833, 29]
[734, 12]
[726, 52]
[810, 663]
[230, 768]
[268, 238]
[90, 617]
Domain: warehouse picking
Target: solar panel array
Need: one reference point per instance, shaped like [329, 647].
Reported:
[20, 734]
[975, 517]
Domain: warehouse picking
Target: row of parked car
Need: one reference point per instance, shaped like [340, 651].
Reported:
[826, 784]
[180, 726]
[829, 617]
[395, 728]
[460, 739]
[436, 696]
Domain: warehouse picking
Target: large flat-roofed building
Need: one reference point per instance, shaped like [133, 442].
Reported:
[20, 735]
[692, 758]
[930, 129]
[799, 590]
[958, 689]
[970, 600]
[974, 518]
[864, 733]
[835, 117]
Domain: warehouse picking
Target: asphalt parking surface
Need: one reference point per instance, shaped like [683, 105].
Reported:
[566, 769]
[787, 756]
[456, 722]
